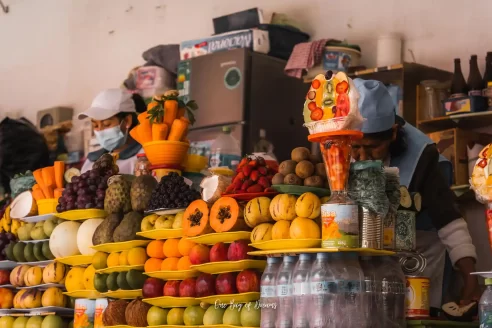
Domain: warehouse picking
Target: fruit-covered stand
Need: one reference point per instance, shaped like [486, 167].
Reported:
[134, 251]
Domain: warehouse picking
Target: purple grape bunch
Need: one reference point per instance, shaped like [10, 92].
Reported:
[172, 192]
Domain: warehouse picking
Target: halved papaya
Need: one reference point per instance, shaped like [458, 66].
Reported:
[227, 215]
[195, 219]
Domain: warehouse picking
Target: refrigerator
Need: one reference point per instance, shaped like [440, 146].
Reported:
[249, 92]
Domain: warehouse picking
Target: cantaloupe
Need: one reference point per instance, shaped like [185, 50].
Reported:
[63, 239]
[227, 215]
[23, 205]
[196, 219]
[84, 236]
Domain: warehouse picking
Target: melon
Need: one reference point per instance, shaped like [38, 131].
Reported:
[63, 239]
[84, 236]
[23, 205]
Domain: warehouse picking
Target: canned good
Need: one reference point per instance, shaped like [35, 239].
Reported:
[339, 225]
[371, 229]
[405, 234]
[412, 264]
[84, 313]
[417, 297]
[389, 230]
[101, 305]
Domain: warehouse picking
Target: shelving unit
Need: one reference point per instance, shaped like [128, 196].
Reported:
[466, 121]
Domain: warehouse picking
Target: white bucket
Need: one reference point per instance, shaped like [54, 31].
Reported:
[335, 58]
[388, 50]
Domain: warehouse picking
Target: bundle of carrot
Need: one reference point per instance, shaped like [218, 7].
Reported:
[164, 119]
[49, 181]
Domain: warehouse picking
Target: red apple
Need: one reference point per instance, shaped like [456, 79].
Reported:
[4, 277]
[152, 287]
[248, 281]
[199, 254]
[187, 288]
[225, 283]
[171, 288]
[238, 250]
[218, 252]
[205, 285]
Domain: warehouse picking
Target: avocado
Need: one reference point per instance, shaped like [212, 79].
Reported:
[100, 282]
[29, 253]
[104, 232]
[121, 280]
[135, 279]
[128, 228]
[38, 252]
[111, 281]
[9, 251]
[46, 250]
[19, 252]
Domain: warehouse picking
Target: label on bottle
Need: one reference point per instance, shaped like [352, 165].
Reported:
[267, 291]
[340, 225]
[323, 287]
[301, 288]
[485, 319]
[475, 93]
[284, 290]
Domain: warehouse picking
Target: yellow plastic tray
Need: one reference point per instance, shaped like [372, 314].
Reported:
[224, 237]
[124, 294]
[173, 326]
[90, 294]
[119, 326]
[217, 326]
[77, 215]
[170, 302]
[279, 244]
[173, 275]
[76, 260]
[121, 246]
[161, 233]
[120, 268]
[293, 251]
[229, 266]
[228, 298]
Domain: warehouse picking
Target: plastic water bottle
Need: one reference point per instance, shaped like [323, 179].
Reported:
[485, 306]
[300, 281]
[372, 291]
[393, 300]
[400, 286]
[284, 292]
[225, 150]
[350, 280]
[323, 293]
[268, 295]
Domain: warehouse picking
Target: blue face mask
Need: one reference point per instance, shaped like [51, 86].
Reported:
[111, 138]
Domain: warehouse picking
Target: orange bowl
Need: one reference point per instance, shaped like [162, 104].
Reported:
[47, 206]
[166, 152]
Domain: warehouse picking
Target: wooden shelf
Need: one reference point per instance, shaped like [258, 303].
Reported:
[463, 193]
[466, 121]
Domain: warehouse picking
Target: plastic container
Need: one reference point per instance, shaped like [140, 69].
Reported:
[284, 292]
[485, 305]
[268, 295]
[195, 163]
[142, 167]
[336, 58]
[388, 50]
[166, 152]
[47, 206]
[283, 39]
[225, 150]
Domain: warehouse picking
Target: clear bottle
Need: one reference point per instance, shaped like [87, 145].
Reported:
[400, 284]
[263, 145]
[485, 306]
[268, 298]
[323, 285]
[284, 292]
[372, 290]
[393, 293]
[301, 292]
[225, 150]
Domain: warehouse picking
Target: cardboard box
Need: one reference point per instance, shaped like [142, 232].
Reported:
[465, 105]
[452, 145]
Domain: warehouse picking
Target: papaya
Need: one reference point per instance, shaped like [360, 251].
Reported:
[196, 219]
[304, 228]
[283, 207]
[262, 232]
[227, 215]
[33, 276]
[308, 205]
[257, 211]
[281, 230]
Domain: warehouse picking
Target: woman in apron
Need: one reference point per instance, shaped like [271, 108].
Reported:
[113, 114]
[440, 226]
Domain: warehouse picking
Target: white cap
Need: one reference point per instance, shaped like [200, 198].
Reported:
[109, 103]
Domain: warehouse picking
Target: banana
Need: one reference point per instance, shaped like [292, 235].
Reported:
[1, 225]
[16, 224]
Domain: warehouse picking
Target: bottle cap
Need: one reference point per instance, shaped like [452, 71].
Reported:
[322, 255]
[226, 129]
[288, 258]
[488, 281]
[305, 257]
[272, 260]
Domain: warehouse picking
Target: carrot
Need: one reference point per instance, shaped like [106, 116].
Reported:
[134, 135]
[159, 131]
[38, 194]
[36, 187]
[59, 169]
[181, 112]
[38, 176]
[170, 111]
[187, 121]
[49, 176]
[58, 192]
[178, 130]
[50, 192]
[144, 128]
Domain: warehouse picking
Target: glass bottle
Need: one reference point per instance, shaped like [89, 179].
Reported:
[458, 83]
[475, 81]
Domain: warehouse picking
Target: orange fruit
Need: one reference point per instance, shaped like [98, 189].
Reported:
[171, 248]
[137, 256]
[152, 264]
[184, 263]
[184, 246]
[156, 249]
[170, 264]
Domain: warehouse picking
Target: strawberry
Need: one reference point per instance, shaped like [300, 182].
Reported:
[255, 175]
[253, 163]
[243, 162]
[238, 177]
[269, 190]
[263, 181]
[263, 170]
[255, 188]
[246, 184]
[269, 177]
[261, 161]
[237, 185]
[247, 170]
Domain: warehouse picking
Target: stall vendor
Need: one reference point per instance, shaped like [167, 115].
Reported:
[440, 225]
[113, 114]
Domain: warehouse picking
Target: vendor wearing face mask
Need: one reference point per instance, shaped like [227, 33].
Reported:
[440, 225]
[114, 113]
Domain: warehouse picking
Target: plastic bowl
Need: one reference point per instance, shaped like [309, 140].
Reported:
[47, 206]
[195, 163]
[166, 152]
